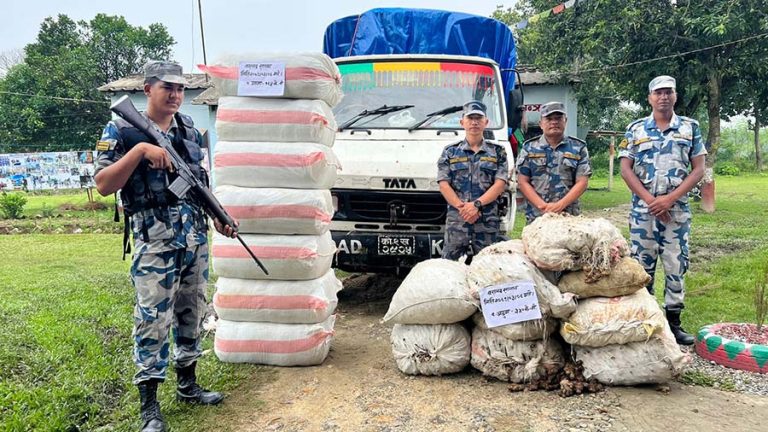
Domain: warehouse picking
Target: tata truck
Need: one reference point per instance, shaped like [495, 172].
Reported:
[405, 75]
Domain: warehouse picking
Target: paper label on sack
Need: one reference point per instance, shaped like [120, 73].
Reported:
[509, 303]
[261, 79]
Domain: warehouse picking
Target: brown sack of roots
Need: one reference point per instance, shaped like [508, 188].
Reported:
[625, 278]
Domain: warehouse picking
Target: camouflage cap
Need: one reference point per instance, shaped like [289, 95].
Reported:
[551, 108]
[474, 107]
[661, 81]
[164, 71]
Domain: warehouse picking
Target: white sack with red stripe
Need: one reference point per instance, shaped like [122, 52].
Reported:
[281, 120]
[307, 75]
[273, 344]
[310, 301]
[286, 257]
[270, 164]
[278, 211]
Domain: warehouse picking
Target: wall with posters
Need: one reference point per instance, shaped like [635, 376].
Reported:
[52, 170]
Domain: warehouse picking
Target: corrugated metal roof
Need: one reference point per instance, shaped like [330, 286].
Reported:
[136, 83]
[209, 96]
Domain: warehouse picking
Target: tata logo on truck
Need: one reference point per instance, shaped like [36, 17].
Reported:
[399, 183]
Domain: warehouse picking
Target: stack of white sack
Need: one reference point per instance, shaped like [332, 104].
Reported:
[524, 351]
[427, 309]
[618, 330]
[273, 168]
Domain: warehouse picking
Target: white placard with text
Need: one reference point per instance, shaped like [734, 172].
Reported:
[261, 79]
[509, 303]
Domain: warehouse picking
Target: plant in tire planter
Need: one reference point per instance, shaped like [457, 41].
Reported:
[739, 346]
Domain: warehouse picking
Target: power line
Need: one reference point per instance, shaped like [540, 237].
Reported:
[673, 55]
[55, 97]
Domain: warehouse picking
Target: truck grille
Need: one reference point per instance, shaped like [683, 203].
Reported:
[378, 206]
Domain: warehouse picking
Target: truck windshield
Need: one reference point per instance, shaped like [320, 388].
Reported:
[428, 86]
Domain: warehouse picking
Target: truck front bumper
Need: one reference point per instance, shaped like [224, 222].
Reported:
[380, 252]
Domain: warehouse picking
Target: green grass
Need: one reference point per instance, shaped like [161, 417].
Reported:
[65, 342]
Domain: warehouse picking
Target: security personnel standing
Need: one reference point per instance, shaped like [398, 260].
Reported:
[169, 269]
[472, 174]
[553, 169]
[662, 159]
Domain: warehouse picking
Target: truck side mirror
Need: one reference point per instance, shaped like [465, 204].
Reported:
[515, 104]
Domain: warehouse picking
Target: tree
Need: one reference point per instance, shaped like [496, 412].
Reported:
[50, 102]
[616, 49]
[10, 58]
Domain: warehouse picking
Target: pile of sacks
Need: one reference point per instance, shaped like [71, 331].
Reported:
[273, 167]
[604, 315]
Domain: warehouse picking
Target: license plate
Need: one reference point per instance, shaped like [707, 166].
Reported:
[397, 245]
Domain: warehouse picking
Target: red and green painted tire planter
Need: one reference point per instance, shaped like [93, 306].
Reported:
[731, 353]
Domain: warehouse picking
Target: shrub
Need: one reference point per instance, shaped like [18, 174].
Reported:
[727, 169]
[12, 205]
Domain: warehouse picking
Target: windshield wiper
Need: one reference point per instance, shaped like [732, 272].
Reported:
[380, 111]
[442, 112]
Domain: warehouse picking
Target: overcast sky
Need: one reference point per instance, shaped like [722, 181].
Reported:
[229, 25]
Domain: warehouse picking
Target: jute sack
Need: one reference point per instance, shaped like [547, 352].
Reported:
[523, 331]
[271, 164]
[278, 210]
[273, 344]
[625, 278]
[434, 292]
[659, 360]
[277, 301]
[601, 321]
[563, 242]
[437, 349]
[275, 120]
[514, 361]
[489, 270]
[286, 257]
[307, 75]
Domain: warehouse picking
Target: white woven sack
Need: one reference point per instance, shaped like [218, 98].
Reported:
[532, 330]
[514, 246]
[290, 302]
[307, 75]
[434, 292]
[273, 344]
[278, 211]
[437, 349]
[514, 361]
[659, 360]
[494, 269]
[563, 242]
[269, 164]
[286, 257]
[625, 278]
[601, 321]
[278, 120]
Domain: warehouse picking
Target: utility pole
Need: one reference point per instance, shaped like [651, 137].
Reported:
[202, 34]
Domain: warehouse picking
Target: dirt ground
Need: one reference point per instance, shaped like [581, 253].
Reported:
[359, 388]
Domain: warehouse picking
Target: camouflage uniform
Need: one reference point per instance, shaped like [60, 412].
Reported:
[662, 160]
[553, 172]
[471, 175]
[169, 272]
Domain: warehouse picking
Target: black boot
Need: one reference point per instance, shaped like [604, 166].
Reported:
[151, 419]
[189, 391]
[681, 336]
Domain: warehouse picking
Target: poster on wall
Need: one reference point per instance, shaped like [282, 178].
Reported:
[50, 170]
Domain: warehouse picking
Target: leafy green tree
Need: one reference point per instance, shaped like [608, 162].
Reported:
[614, 49]
[50, 102]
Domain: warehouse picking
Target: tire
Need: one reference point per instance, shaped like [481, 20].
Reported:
[730, 353]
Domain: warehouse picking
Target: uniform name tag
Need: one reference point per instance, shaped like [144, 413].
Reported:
[488, 159]
[643, 140]
[537, 155]
[458, 160]
[571, 156]
[102, 145]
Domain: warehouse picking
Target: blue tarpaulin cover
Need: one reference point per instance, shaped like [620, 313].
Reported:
[423, 31]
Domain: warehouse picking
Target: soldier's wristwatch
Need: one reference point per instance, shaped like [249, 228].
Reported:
[478, 205]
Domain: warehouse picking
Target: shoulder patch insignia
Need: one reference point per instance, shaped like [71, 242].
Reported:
[624, 144]
[103, 145]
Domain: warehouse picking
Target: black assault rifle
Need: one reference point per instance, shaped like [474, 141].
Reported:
[186, 182]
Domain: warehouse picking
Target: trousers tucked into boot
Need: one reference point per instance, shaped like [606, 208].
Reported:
[681, 336]
[152, 420]
[189, 391]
